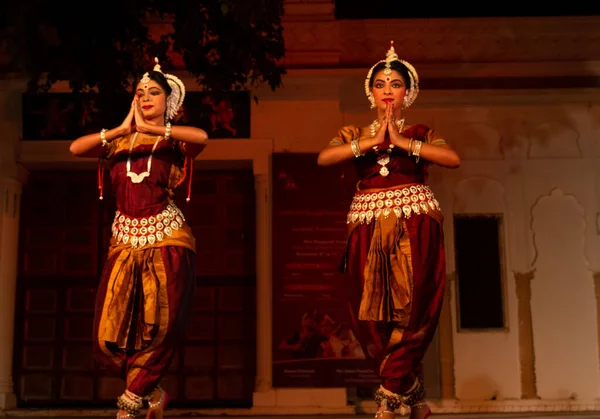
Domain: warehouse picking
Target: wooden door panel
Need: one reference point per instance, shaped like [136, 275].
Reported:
[65, 231]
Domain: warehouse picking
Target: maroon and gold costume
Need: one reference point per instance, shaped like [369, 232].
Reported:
[148, 281]
[396, 261]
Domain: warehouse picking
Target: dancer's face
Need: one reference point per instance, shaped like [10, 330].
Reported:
[152, 99]
[388, 89]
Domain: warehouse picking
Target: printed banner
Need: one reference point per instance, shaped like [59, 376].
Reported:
[314, 342]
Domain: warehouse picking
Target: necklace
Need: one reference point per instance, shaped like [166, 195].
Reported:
[139, 177]
[384, 159]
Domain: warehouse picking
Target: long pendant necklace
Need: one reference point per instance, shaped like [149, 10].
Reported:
[384, 159]
[139, 177]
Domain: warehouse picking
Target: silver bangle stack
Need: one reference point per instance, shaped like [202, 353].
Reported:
[168, 131]
[416, 149]
[356, 148]
[103, 137]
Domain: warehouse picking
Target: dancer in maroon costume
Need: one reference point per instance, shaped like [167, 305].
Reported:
[148, 280]
[395, 252]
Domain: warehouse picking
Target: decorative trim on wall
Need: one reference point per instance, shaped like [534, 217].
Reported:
[526, 346]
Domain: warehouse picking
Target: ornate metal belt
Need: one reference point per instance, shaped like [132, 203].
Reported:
[140, 232]
[367, 206]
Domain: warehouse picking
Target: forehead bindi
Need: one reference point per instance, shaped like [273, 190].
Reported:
[148, 86]
[394, 77]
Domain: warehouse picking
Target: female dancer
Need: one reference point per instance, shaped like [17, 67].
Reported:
[395, 253]
[148, 280]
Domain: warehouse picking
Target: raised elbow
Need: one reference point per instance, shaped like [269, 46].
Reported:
[456, 162]
[74, 150]
[204, 139]
[322, 160]
[453, 163]
[452, 160]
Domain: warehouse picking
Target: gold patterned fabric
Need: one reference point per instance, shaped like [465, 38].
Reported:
[118, 322]
[147, 285]
[394, 256]
[387, 288]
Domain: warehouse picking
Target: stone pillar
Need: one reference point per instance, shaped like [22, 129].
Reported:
[446, 331]
[526, 346]
[264, 338]
[9, 245]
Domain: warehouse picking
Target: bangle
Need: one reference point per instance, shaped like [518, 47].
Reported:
[103, 137]
[356, 148]
[417, 151]
[168, 131]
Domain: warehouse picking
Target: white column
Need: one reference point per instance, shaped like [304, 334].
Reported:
[9, 245]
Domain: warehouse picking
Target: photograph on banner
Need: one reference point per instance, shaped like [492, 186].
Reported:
[314, 338]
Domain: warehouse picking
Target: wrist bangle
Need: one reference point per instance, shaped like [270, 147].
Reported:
[168, 131]
[103, 137]
[417, 151]
[356, 148]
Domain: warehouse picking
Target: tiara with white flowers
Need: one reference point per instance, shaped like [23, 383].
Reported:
[391, 56]
[175, 98]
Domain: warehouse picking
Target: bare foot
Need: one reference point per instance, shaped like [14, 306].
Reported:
[420, 411]
[157, 404]
[123, 414]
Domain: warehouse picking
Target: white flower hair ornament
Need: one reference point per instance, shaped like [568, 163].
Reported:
[391, 56]
[175, 98]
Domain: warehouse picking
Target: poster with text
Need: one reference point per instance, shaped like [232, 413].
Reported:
[314, 341]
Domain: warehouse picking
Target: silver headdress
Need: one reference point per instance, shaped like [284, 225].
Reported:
[175, 99]
[391, 56]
